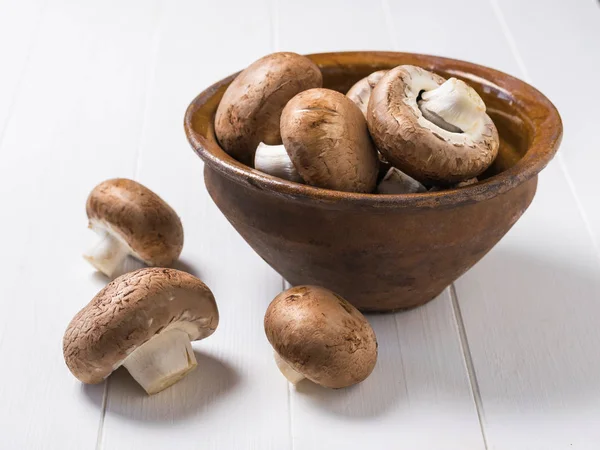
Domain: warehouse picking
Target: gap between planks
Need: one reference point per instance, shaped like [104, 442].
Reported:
[514, 49]
[458, 321]
[468, 361]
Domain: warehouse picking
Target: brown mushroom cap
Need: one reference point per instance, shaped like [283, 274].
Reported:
[415, 145]
[321, 336]
[326, 137]
[131, 310]
[138, 218]
[250, 109]
[360, 93]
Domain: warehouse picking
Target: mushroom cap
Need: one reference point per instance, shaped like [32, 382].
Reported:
[417, 146]
[138, 218]
[131, 310]
[360, 92]
[250, 109]
[327, 139]
[321, 336]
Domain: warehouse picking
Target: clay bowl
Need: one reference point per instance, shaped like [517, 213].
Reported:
[384, 252]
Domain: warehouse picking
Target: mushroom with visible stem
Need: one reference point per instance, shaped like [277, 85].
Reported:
[391, 180]
[274, 160]
[326, 137]
[251, 106]
[144, 321]
[435, 130]
[318, 335]
[360, 92]
[135, 228]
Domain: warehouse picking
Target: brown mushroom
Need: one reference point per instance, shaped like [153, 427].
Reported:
[250, 109]
[326, 137]
[434, 130]
[131, 220]
[318, 335]
[144, 321]
[360, 92]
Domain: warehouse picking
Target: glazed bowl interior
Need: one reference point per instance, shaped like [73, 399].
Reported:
[529, 127]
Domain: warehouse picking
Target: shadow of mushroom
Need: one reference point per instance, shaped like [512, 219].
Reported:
[366, 399]
[542, 338]
[186, 266]
[192, 396]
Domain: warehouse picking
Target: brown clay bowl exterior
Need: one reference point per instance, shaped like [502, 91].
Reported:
[384, 252]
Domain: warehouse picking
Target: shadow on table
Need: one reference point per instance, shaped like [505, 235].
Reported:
[383, 390]
[535, 341]
[186, 266]
[192, 396]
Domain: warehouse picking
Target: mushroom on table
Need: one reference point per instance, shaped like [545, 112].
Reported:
[435, 130]
[249, 111]
[144, 321]
[135, 227]
[318, 335]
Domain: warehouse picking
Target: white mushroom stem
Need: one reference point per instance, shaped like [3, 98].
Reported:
[292, 375]
[162, 361]
[108, 253]
[454, 106]
[397, 182]
[274, 160]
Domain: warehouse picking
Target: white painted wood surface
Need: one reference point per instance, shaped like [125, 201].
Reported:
[90, 91]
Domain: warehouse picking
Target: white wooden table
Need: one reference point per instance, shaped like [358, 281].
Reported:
[508, 358]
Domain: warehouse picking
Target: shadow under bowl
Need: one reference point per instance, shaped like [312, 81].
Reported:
[384, 252]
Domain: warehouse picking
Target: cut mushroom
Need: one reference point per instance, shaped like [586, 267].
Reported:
[250, 109]
[397, 182]
[360, 93]
[274, 160]
[326, 137]
[144, 321]
[135, 228]
[318, 335]
[434, 130]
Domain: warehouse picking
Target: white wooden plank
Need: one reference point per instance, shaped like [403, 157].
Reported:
[530, 310]
[420, 382]
[313, 26]
[75, 122]
[235, 399]
[455, 29]
[529, 306]
[19, 25]
[566, 59]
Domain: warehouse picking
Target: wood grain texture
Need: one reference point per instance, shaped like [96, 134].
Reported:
[19, 33]
[570, 46]
[75, 121]
[236, 398]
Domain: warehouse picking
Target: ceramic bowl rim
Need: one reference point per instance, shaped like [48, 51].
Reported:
[545, 122]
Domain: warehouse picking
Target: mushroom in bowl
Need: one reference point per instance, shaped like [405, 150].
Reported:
[384, 252]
